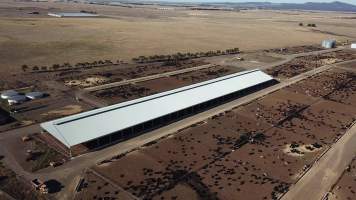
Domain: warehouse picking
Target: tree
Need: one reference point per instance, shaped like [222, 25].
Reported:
[35, 68]
[55, 66]
[67, 65]
[101, 62]
[301, 24]
[24, 68]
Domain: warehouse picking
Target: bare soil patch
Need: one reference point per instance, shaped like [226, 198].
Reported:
[345, 188]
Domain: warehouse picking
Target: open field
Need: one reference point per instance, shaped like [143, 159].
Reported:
[130, 32]
[265, 145]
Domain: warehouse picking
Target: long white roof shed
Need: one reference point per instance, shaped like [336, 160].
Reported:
[87, 126]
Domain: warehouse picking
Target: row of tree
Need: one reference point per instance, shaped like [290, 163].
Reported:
[309, 25]
[66, 66]
[167, 59]
[174, 58]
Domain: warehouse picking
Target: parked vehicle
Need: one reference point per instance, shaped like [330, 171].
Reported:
[40, 185]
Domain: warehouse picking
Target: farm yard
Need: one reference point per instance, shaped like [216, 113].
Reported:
[94, 187]
[61, 87]
[141, 89]
[64, 83]
[264, 142]
[123, 72]
[33, 153]
[265, 145]
[306, 63]
[16, 186]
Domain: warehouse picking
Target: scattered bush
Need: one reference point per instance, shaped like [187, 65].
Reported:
[311, 25]
[175, 58]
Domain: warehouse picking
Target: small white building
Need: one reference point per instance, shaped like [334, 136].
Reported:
[8, 93]
[35, 95]
[17, 99]
[353, 46]
[329, 44]
[78, 14]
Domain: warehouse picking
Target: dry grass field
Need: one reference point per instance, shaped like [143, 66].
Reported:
[128, 32]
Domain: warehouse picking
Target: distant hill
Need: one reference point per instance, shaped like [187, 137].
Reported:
[332, 6]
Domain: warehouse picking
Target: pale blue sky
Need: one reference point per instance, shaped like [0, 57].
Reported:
[275, 1]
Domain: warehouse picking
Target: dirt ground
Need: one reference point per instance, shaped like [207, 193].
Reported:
[295, 50]
[247, 60]
[15, 186]
[306, 63]
[264, 145]
[94, 187]
[130, 32]
[50, 108]
[351, 65]
[40, 157]
[345, 188]
[329, 83]
[111, 74]
[137, 90]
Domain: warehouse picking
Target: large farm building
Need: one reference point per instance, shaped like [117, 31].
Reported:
[118, 122]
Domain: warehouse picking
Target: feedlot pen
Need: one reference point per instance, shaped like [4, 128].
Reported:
[263, 146]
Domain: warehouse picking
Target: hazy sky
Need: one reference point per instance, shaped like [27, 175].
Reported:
[275, 1]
